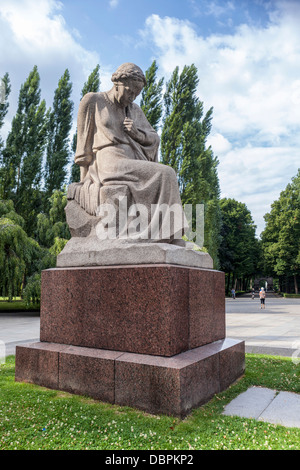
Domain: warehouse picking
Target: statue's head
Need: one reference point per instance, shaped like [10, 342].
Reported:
[128, 81]
[128, 72]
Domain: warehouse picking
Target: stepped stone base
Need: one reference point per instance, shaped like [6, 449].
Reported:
[146, 336]
[155, 384]
[90, 251]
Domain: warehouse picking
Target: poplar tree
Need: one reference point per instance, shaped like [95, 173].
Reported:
[24, 150]
[59, 127]
[5, 89]
[91, 85]
[183, 146]
[281, 237]
[239, 247]
[93, 82]
[151, 100]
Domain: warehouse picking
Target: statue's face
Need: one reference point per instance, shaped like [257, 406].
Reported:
[127, 92]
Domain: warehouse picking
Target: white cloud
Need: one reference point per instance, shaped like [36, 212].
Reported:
[251, 78]
[38, 33]
[257, 175]
[219, 143]
[35, 33]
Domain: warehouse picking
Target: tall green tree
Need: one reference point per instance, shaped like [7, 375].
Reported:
[183, 146]
[20, 255]
[91, 85]
[239, 247]
[53, 226]
[4, 93]
[24, 151]
[281, 237]
[59, 127]
[5, 89]
[7, 210]
[93, 82]
[151, 100]
[13, 257]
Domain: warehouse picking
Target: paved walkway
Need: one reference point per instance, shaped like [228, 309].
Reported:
[274, 330]
[267, 405]
[18, 328]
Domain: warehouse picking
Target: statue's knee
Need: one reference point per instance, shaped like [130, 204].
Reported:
[112, 194]
[170, 172]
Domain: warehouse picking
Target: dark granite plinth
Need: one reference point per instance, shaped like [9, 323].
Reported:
[145, 309]
[155, 384]
[147, 336]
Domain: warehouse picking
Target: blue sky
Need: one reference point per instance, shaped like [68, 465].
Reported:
[247, 53]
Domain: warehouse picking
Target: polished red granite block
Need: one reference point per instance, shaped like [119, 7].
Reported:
[38, 363]
[200, 381]
[87, 371]
[171, 386]
[135, 309]
[158, 385]
[207, 306]
[147, 383]
[146, 309]
[178, 384]
[218, 323]
[232, 362]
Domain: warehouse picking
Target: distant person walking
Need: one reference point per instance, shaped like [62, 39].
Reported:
[233, 293]
[262, 296]
[253, 293]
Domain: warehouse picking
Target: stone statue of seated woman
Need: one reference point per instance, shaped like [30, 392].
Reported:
[126, 201]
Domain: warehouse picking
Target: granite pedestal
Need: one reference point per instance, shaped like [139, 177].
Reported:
[146, 336]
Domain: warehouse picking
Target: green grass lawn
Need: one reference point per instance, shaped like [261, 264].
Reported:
[33, 417]
[292, 296]
[16, 305]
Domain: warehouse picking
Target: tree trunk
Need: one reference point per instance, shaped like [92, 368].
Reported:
[295, 284]
[228, 283]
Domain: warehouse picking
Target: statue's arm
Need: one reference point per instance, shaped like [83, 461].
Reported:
[140, 130]
[135, 133]
[85, 130]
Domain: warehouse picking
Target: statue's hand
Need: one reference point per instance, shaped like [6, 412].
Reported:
[130, 128]
[84, 160]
